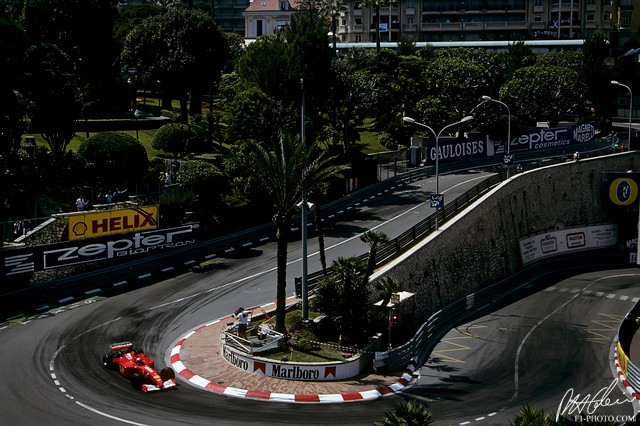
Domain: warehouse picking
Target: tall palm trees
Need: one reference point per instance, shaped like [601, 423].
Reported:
[285, 173]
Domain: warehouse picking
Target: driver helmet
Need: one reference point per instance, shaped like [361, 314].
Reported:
[139, 361]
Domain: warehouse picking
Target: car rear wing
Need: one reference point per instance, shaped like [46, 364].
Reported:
[119, 346]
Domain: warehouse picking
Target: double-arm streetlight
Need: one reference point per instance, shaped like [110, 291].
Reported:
[412, 121]
[617, 83]
[489, 98]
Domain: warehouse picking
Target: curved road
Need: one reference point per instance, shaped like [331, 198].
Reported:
[555, 342]
[51, 364]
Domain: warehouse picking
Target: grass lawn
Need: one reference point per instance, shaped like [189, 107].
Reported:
[324, 354]
[368, 139]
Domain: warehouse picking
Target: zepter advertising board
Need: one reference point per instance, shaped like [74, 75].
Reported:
[100, 224]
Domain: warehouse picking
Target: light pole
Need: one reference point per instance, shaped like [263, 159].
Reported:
[630, 106]
[412, 121]
[489, 98]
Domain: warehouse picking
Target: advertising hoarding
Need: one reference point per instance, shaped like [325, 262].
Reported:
[99, 224]
[123, 247]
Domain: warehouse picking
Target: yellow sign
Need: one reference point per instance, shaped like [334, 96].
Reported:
[623, 191]
[93, 225]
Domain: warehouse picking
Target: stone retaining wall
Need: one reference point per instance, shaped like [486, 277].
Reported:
[480, 246]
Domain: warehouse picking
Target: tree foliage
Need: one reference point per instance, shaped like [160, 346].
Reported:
[52, 95]
[201, 177]
[183, 48]
[114, 157]
[544, 93]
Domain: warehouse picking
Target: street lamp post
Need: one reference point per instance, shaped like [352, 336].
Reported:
[412, 121]
[488, 98]
[617, 83]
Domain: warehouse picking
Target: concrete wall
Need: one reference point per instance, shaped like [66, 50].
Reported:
[480, 246]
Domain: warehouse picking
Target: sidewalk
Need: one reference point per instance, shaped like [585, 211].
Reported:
[197, 357]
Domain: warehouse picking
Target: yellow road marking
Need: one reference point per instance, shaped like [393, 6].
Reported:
[609, 323]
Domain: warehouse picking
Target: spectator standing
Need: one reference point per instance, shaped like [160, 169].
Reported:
[80, 203]
[243, 321]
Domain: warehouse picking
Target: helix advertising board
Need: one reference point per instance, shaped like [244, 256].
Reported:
[123, 247]
[567, 240]
[99, 224]
[289, 370]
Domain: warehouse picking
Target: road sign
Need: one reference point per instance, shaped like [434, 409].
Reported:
[508, 159]
[437, 201]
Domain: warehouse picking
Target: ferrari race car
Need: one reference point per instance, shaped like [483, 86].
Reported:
[136, 366]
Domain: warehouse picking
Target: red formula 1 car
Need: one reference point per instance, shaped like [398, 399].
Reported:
[136, 366]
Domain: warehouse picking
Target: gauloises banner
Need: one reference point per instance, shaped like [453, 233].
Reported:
[99, 224]
[124, 247]
[476, 146]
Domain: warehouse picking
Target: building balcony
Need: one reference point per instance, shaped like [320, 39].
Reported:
[442, 26]
[357, 12]
[506, 25]
[410, 27]
[409, 11]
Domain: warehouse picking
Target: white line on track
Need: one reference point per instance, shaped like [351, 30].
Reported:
[55, 355]
[517, 360]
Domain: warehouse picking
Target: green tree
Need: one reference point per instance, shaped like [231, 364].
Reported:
[52, 94]
[597, 76]
[519, 55]
[114, 157]
[544, 93]
[183, 48]
[375, 240]
[344, 297]
[376, 5]
[178, 139]
[459, 78]
[83, 30]
[283, 173]
[408, 413]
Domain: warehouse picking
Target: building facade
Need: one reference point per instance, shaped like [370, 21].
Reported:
[475, 20]
[266, 17]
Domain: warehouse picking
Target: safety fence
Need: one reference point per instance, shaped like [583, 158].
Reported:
[489, 299]
[110, 278]
[626, 331]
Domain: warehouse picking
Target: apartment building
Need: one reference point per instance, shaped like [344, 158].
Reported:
[474, 20]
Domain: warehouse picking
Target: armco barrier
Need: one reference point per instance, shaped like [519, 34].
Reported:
[629, 371]
[489, 299]
[80, 285]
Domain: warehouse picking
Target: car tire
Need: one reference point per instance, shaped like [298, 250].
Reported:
[107, 361]
[137, 381]
[167, 373]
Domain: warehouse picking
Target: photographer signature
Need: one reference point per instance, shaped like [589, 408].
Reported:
[571, 404]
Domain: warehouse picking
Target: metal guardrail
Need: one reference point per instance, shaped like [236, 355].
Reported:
[131, 273]
[489, 299]
[416, 233]
[626, 331]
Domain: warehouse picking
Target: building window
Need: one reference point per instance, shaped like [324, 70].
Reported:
[343, 22]
[358, 38]
[358, 21]
[591, 17]
[537, 17]
[410, 20]
[410, 5]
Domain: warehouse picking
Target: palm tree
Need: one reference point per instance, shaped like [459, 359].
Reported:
[284, 174]
[375, 240]
[413, 412]
[531, 416]
[376, 5]
[331, 9]
[387, 286]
